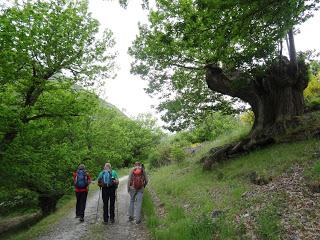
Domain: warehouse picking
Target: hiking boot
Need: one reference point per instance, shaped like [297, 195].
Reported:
[105, 222]
[77, 216]
[130, 219]
[138, 221]
[112, 220]
[81, 219]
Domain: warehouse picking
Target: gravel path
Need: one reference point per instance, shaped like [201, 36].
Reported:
[70, 228]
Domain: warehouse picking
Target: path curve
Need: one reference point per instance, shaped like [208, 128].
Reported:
[69, 228]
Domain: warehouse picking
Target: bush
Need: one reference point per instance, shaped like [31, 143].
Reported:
[177, 154]
[213, 126]
[171, 149]
[13, 201]
[247, 117]
[312, 92]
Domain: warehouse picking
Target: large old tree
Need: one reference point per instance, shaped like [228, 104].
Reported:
[245, 49]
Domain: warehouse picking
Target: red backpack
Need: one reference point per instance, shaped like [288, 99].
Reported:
[137, 180]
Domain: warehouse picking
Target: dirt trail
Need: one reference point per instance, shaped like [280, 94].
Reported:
[70, 228]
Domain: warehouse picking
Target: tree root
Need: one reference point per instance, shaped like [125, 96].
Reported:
[223, 153]
[296, 129]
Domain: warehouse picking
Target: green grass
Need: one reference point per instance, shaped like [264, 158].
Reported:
[190, 195]
[268, 223]
[149, 211]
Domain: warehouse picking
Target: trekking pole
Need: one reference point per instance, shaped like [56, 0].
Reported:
[98, 205]
[117, 205]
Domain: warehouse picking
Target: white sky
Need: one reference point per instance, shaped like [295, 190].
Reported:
[126, 91]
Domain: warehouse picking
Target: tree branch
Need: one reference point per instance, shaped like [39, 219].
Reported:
[51, 115]
[217, 81]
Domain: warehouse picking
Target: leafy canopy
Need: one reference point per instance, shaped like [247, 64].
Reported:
[183, 36]
[49, 39]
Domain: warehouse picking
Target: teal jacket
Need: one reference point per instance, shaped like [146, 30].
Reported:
[114, 175]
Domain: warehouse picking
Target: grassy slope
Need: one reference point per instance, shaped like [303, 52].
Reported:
[190, 195]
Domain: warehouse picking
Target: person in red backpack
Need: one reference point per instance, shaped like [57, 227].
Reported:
[81, 180]
[137, 181]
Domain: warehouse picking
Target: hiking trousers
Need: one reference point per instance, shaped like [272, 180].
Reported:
[108, 194]
[135, 208]
[81, 203]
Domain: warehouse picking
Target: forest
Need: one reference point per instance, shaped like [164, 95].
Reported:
[239, 105]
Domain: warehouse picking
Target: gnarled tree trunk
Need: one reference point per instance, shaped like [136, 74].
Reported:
[275, 96]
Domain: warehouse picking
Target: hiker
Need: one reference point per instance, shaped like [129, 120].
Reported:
[136, 183]
[108, 180]
[81, 180]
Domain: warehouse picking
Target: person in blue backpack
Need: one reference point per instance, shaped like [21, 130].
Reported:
[81, 180]
[108, 180]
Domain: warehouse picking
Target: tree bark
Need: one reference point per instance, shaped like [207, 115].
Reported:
[275, 96]
[292, 47]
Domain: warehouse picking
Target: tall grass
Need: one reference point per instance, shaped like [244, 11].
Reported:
[190, 195]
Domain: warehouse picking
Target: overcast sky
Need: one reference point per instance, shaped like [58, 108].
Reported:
[126, 91]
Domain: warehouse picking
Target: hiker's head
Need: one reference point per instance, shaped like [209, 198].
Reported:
[107, 166]
[137, 164]
[81, 167]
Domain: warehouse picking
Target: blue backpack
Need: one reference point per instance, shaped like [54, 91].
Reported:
[81, 180]
[107, 179]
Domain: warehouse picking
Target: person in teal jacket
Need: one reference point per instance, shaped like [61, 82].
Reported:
[108, 180]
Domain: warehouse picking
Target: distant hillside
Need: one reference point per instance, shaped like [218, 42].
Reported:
[109, 105]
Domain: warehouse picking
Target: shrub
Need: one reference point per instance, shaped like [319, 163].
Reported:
[312, 92]
[170, 149]
[177, 154]
[16, 200]
[213, 126]
[247, 117]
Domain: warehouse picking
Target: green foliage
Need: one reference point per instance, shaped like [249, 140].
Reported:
[47, 151]
[312, 92]
[247, 117]
[213, 126]
[182, 37]
[50, 121]
[20, 199]
[170, 149]
[177, 147]
[177, 154]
